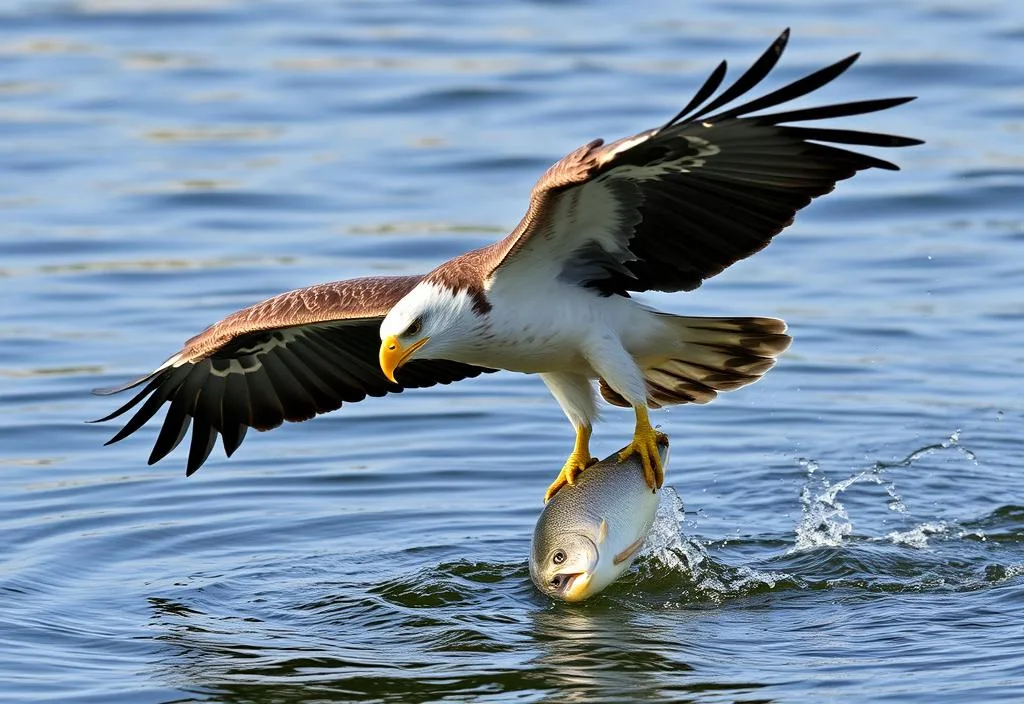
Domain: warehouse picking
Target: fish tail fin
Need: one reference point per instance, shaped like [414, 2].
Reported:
[709, 355]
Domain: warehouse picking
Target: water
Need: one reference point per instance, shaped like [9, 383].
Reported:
[853, 526]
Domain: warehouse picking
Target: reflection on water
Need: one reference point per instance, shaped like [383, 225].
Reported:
[167, 163]
[583, 653]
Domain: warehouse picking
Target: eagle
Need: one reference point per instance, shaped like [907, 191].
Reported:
[662, 210]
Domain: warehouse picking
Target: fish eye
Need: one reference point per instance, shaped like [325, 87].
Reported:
[414, 327]
[559, 557]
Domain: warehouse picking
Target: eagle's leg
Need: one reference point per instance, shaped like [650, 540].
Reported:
[575, 394]
[645, 444]
[579, 459]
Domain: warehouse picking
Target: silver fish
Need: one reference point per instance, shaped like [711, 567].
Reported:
[589, 533]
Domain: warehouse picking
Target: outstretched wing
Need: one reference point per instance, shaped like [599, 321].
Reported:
[290, 357]
[667, 208]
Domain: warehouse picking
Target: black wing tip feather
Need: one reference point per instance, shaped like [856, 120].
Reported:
[838, 136]
[112, 390]
[181, 388]
[780, 42]
[709, 86]
[120, 410]
[823, 112]
[704, 101]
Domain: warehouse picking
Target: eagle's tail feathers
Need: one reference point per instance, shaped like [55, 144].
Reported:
[712, 355]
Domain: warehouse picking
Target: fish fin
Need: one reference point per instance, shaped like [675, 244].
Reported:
[631, 550]
[602, 531]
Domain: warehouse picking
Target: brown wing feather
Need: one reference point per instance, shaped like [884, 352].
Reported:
[289, 358]
[686, 200]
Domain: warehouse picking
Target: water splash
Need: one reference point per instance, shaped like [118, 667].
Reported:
[825, 522]
[676, 568]
[667, 542]
[918, 537]
[686, 566]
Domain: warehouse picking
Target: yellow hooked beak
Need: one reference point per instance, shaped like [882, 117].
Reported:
[393, 355]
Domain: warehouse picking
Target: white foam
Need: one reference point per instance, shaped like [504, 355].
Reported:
[918, 537]
[668, 548]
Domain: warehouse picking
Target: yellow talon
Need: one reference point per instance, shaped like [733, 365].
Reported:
[645, 444]
[579, 459]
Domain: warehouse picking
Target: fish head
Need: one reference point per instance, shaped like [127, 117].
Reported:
[564, 564]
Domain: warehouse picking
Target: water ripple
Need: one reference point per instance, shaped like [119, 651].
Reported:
[855, 518]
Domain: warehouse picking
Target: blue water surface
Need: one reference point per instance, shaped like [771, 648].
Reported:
[854, 523]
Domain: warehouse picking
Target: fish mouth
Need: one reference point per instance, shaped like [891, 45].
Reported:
[571, 586]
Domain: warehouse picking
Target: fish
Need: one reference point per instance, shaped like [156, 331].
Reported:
[590, 532]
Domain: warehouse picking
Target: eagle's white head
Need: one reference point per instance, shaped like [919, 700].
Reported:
[432, 321]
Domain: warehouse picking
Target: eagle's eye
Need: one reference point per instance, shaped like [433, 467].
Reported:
[414, 327]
